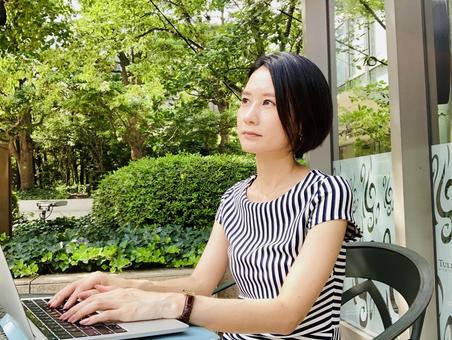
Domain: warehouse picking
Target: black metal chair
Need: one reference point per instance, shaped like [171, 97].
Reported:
[400, 268]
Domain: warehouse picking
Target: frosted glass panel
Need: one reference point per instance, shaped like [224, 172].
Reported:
[442, 212]
[373, 207]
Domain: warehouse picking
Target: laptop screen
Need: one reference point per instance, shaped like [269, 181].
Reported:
[9, 298]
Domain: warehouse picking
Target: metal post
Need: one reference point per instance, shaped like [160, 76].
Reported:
[409, 40]
[319, 47]
[5, 190]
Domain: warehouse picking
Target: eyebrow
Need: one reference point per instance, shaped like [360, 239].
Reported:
[266, 94]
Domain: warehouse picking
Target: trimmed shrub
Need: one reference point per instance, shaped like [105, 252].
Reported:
[181, 190]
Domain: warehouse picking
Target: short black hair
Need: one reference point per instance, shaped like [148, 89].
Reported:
[303, 99]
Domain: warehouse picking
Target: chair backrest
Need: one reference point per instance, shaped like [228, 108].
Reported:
[398, 267]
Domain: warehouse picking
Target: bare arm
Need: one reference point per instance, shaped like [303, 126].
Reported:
[301, 288]
[207, 274]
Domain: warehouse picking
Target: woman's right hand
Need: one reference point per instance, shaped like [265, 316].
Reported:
[84, 287]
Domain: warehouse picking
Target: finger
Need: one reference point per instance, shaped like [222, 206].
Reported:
[89, 306]
[87, 293]
[72, 299]
[104, 289]
[84, 310]
[71, 311]
[59, 297]
[108, 315]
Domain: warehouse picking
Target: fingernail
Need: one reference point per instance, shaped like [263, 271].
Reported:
[84, 321]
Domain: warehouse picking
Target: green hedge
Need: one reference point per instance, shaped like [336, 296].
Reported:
[180, 190]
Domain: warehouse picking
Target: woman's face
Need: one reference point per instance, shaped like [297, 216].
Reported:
[258, 124]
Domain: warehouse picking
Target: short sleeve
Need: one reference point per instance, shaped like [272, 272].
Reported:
[333, 201]
[219, 216]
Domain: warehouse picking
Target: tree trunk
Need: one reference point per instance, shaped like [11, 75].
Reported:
[82, 169]
[136, 152]
[124, 62]
[25, 161]
[135, 139]
[223, 128]
[21, 148]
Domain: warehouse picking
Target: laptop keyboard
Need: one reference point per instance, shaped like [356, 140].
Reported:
[46, 319]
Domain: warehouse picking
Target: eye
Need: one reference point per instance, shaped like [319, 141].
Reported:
[244, 100]
[268, 102]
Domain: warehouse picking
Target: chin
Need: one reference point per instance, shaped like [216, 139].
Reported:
[254, 150]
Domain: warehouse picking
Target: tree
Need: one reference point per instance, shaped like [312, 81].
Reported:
[154, 76]
[368, 121]
[32, 28]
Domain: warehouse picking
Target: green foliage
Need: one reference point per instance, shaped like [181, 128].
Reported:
[3, 238]
[368, 124]
[69, 244]
[361, 8]
[183, 190]
[83, 93]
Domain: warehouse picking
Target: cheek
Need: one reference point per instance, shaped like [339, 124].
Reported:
[238, 118]
[279, 133]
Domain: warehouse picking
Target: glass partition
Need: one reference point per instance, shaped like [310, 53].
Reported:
[364, 137]
[442, 168]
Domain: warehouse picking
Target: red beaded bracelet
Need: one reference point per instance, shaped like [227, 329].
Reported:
[189, 300]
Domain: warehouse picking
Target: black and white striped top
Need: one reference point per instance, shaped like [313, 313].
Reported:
[265, 239]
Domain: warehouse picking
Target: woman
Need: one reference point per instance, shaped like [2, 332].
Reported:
[282, 231]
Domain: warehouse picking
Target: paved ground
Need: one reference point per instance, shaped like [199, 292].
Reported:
[74, 207]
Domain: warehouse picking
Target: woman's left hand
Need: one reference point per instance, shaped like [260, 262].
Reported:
[125, 304]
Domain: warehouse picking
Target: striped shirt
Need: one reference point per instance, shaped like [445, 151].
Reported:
[266, 237]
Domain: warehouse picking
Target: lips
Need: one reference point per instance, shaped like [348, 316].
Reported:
[251, 134]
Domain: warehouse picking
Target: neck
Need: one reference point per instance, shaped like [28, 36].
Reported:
[275, 170]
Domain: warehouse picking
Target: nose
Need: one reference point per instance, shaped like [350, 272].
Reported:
[250, 114]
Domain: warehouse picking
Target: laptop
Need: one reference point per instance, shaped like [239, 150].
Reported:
[30, 318]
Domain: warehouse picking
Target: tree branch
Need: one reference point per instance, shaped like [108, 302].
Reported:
[372, 13]
[361, 52]
[154, 29]
[188, 41]
[283, 12]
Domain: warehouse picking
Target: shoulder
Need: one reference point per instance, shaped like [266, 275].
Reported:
[331, 183]
[237, 188]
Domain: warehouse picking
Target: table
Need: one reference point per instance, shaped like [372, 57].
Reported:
[193, 332]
